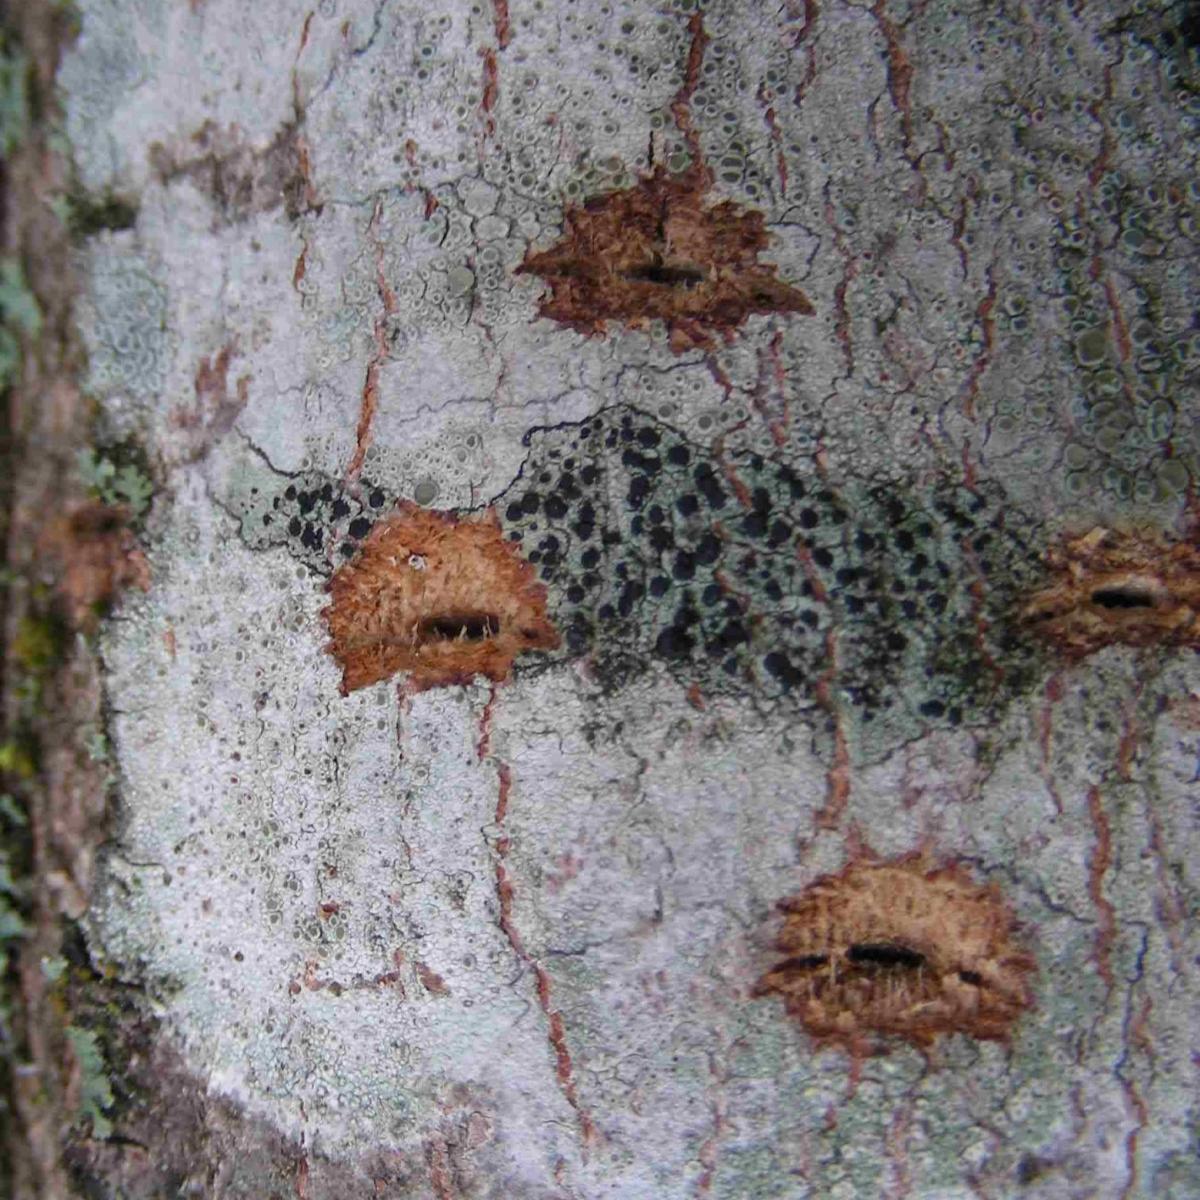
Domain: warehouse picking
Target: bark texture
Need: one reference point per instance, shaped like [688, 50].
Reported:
[832, 368]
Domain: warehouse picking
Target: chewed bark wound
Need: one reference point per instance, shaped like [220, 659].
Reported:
[893, 948]
[804, 962]
[884, 955]
[869, 955]
[1109, 587]
[663, 273]
[1124, 597]
[657, 250]
[441, 597]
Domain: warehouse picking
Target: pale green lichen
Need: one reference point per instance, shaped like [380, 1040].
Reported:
[53, 969]
[14, 97]
[96, 745]
[20, 316]
[95, 1094]
[125, 328]
[124, 485]
[11, 812]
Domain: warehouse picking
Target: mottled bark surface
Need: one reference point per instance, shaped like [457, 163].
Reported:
[808, 574]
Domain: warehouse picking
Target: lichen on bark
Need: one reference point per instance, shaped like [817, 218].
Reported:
[500, 938]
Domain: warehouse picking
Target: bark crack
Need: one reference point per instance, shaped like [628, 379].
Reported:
[505, 895]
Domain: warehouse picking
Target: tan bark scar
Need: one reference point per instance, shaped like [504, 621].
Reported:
[442, 597]
[656, 251]
[1119, 588]
[897, 949]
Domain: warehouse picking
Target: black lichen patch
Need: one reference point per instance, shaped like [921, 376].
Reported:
[747, 574]
[744, 575]
[322, 523]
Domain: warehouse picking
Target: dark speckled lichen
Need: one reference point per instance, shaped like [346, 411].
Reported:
[321, 523]
[746, 575]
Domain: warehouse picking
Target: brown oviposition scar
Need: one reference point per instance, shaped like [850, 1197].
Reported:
[1109, 587]
[440, 596]
[657, 250]
[899, 949]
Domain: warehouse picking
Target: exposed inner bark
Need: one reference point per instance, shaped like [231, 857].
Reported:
[668, 276]
[464, 626]
[1126, 597]
[439, 597]
[655, 250]
[1119, 588]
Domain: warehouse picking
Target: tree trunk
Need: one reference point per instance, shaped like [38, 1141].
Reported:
[579, 475]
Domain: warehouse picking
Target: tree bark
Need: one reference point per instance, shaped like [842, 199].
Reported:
[562, 480]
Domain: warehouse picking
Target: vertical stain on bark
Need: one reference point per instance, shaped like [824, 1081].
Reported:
[1120, 326]
[1098, 864]
[500, 23]
[505, 895]
[681, 105]
[899, 68]
[812, 11]
[301, 268]
[776, 136]
[1052, 695]
[297, 99]
[370, 390]
[850, 269]
[987, 324]
[837, 776]
[1142, 1113]
[709, 1151]
[491, 89]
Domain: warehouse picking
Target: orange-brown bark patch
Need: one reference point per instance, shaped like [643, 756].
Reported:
[431, 981]
[98, 557]
[442, 597]
[215, 410]
[898, 949]
[657, 251]
[1111, 588]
